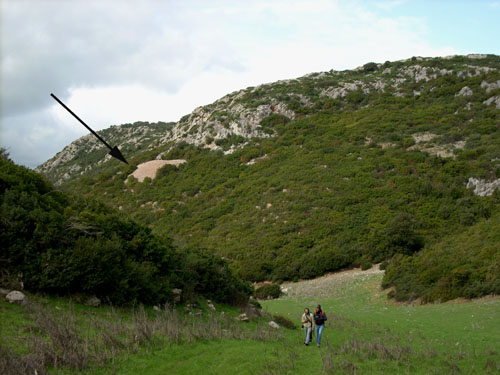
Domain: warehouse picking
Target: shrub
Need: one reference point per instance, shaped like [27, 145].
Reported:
[268, 291]
[365, 264]
[255, 303]
[370, 67]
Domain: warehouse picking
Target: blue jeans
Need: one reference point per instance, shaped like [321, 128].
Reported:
[319, 332]
[308, 334]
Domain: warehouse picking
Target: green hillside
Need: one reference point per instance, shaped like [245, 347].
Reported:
[57, 243]
[334, 169]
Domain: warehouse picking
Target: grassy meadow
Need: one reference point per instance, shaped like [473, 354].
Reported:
[365, 333]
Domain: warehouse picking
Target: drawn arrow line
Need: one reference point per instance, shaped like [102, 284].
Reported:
[115, 152]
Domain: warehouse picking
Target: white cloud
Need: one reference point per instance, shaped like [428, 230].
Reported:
[389, 4]
[118, 61]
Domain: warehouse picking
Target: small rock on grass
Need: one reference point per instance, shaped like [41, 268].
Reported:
[93, 301]
[17, 297]
[243, 318]
[273, 324]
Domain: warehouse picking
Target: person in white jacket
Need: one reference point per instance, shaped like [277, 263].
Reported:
[307, 325]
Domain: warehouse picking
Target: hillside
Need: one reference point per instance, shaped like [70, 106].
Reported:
[301, 177]
[56, 243]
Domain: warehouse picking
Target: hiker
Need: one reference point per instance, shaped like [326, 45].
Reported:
[307, 325]
[319, 322]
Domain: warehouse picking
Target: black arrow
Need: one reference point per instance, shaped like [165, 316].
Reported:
[115, 152]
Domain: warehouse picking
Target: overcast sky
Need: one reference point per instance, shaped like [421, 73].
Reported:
[120, 61]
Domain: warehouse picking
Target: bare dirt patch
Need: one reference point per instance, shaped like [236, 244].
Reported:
[150, 168]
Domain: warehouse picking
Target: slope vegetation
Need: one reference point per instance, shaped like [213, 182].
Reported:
[301, 177]
[57, 243]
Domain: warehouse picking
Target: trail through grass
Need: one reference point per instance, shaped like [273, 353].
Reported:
[365, 333]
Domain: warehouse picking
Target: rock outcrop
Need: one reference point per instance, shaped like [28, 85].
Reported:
[231, 121]
[483, 188]
[465, 91]
[493, 99]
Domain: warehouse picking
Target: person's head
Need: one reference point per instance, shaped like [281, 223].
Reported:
[318, 307]
[306, 310]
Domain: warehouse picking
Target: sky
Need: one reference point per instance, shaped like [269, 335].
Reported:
[121, 61]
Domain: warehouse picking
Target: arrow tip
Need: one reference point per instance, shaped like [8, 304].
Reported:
[115, 152]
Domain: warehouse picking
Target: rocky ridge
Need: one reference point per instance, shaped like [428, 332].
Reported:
[229, 122]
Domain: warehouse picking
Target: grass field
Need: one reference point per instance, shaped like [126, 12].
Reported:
[365, 334]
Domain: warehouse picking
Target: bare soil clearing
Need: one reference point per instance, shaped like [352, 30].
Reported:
[150, 168]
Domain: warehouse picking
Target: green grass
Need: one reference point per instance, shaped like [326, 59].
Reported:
[365, 333]
[464, 334]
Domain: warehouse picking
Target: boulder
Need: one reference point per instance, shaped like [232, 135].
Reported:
[4, 292]
[273, 324]
[177, 293]
[252, 311]
[465, 91]
[93, 301]
[211, 306]
[242, 318]
[17, 297]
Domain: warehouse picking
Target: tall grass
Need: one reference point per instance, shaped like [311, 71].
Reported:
[65, 339]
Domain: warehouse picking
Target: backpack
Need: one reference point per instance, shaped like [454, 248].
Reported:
[320, 318]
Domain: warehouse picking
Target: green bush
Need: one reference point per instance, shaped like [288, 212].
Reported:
[370, 67]
[268, 291]
[365, 264]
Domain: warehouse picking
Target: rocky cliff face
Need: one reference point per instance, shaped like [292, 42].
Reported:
[230, 121]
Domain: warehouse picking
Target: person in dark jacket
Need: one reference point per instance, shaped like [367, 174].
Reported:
[319, 321]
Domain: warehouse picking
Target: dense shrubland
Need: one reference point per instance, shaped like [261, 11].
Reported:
[347, 182]
[463, 265]
[61, 244]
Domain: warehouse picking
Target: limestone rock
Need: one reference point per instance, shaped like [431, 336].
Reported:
[490, 86]
[476, 56]
[93, 301]
[177, 293]
[483, 188]
[273, 324]
[17, 297]
[242, 318]
[465, 91]
[493, 99]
